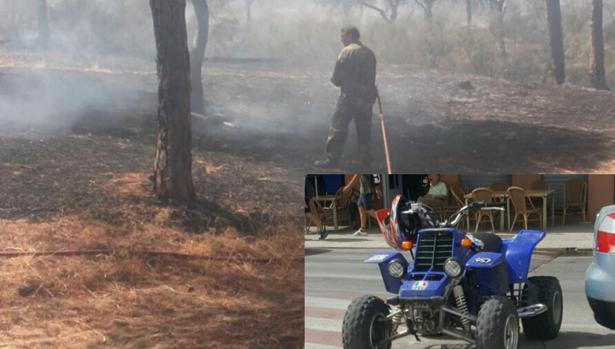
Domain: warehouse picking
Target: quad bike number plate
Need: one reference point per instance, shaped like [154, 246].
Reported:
[483, 260]
[420, 285]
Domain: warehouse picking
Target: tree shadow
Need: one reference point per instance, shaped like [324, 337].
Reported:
[479, 146]
[203, 214]
[496, 147]
[316, 251]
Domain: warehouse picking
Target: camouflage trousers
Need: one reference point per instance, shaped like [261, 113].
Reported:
[347, 109]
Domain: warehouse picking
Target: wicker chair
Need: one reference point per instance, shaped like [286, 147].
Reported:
[498, 186]
[336, 211]
[458, 191]
[538, 185]
[451, 205]
[483, 195]
[523, 207]
[575, 196]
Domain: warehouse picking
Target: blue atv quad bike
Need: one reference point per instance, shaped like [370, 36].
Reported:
[470, 287]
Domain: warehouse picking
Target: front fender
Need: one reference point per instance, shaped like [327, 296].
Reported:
[491, 273]
[391, 284]
[485, 260]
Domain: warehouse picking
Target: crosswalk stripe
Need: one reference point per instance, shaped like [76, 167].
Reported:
[324, 313]
[329, 338]
[323, 324]
[323, 302]
[376, 277]
[319, 346]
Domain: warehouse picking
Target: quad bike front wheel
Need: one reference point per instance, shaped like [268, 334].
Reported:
[366, 325]
[545, 290]
[497, 326]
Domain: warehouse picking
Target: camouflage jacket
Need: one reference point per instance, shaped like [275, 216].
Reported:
[355, 72]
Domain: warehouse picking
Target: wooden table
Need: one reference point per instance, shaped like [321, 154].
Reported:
[502, 195]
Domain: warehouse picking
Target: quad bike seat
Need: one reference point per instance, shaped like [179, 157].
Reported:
[492, 242]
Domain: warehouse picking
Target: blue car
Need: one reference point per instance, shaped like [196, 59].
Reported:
[600, 276]
[473, 287]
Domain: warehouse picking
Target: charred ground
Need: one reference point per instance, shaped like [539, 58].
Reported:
[74, 171]
[77, 179]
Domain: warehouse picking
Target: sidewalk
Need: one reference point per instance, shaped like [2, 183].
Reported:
[570, 238]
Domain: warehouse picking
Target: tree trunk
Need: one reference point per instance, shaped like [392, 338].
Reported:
[556, 40]
[43, 23]
[500, 29]
[427, 6]
[197, 55]
[394, 7]
[469, 12]
[173, 162]
[249, 12]
[429, 10]
[598, 75]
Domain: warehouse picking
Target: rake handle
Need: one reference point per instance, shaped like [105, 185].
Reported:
[384, 134]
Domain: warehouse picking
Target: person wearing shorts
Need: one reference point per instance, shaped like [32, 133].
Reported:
[365, 201]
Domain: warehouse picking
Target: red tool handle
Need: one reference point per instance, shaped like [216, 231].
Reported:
[384, 135]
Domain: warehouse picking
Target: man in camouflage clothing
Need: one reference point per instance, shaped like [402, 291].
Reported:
[355, 75]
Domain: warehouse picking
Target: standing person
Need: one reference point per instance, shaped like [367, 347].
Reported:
[365, 201]
[437, 194]
[355, 75]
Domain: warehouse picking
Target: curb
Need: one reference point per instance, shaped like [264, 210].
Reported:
[571, 251]
[559, 251]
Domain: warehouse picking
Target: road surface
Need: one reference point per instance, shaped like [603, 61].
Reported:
[334, 277]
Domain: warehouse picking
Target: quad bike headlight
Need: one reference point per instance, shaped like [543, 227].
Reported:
[396, 269]
[453, 268]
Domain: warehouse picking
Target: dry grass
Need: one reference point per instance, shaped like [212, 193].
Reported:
[127, 300]
[92, 192]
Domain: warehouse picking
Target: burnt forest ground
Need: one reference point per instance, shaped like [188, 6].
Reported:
[76, 149]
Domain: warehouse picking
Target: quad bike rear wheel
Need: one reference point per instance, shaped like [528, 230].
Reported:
[366, 324]
[497, 326]
[545, 290]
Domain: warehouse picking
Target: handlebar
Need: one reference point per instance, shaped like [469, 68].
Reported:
[456, 217]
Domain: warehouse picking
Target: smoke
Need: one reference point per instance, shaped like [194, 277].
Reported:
[51, 101]
[101, 57]
[85, 71]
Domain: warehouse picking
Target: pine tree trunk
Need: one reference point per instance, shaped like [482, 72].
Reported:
[429, 11]
[556, 40]
[501, 37]
[394, 9]
[469, 13]
[598, 75]
[197, 55]
[173, 161]
[249, 12]
[43, 23]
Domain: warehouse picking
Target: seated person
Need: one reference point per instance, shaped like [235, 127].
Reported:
[438, 193]
[312, 214]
